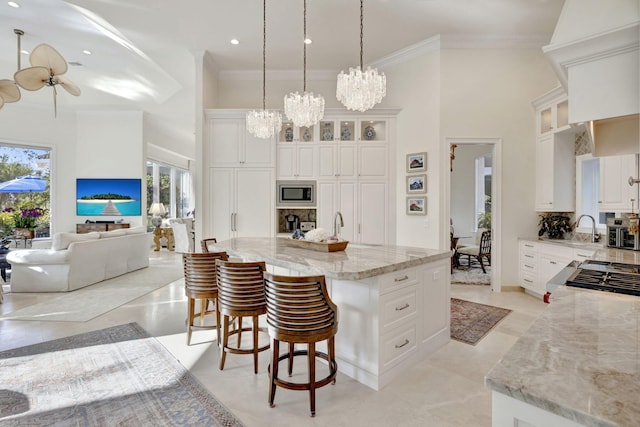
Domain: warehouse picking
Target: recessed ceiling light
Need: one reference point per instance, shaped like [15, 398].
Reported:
[235, 41]
[13, 4]
[307, 41]
[86, 52]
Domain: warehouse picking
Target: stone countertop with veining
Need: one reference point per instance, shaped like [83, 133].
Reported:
[580, 359]
[603, 253]
[355, 263]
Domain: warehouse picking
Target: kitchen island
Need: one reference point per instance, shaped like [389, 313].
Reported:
[578, 365]
[394, 301]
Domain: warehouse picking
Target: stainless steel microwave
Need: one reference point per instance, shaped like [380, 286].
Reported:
[296, 193]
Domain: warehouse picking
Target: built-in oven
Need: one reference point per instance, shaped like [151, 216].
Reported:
[296, 193]
[618, 235]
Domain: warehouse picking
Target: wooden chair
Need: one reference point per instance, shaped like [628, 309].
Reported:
[240, 294]
[299, 311]
[200, 283]
[204, 243]
[454, 253]
[483, 250]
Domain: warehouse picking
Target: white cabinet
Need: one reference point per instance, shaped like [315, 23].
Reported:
[230, 145]
[552, 112]
[242, 202]
[296, 161]
[539, 262]
[615, 191]
[337, 161]
[555, 173]
[363, 205]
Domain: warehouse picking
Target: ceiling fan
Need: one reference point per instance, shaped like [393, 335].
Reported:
[47, 69]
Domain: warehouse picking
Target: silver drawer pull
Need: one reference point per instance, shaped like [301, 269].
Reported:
[406, 305]
[406, 341]
[528, 266]
[528, 281]
[583, 255]
[401, 279]
[529, 246]
[528, 256]
[552, 262]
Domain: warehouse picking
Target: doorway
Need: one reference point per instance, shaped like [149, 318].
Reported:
[473, 183]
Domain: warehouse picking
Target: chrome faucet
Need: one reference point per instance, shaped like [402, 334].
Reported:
[593, 227]
[336, 226]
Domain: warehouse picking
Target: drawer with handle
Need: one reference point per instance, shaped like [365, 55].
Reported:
[398, 279]
[397, 345]
[397, 307]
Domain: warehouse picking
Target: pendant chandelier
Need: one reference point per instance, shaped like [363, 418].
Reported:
[305, 109]
[264, 123]
[361, 90]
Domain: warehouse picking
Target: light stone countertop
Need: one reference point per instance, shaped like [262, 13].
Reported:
[355, 263]
[580, 359]
[603, 253]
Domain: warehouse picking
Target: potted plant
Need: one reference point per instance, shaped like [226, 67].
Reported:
[25, 220]
[554, 225]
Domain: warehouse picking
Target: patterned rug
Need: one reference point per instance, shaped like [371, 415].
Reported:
[117, 376]
[471, 321]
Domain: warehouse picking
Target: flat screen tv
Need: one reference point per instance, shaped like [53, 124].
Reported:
[108, 197]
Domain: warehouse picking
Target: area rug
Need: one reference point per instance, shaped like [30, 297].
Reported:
[117, 376]
[471, 276]
[471, 321]
[92, 301]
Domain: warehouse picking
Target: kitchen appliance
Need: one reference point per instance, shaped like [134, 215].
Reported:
[618, 235]
[293, 222]
[307, 225]
[296, 193]
[607, 276]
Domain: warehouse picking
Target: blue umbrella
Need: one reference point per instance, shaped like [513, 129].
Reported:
[24, 184]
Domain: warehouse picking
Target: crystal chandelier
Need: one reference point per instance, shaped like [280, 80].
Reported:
[361, 90]
[306, 109]
[264, 123]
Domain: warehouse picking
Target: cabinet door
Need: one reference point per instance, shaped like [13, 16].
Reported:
[347, 207]
[327, 195]
[222, 206]
[544, 174]
[372, 161]
[346, 161]
[372, 227]
[435, 291]
[225, 142]
[305, 161]
[286, 161]
[327, 155]
[615, 192]
[256, 152]
[255, 206]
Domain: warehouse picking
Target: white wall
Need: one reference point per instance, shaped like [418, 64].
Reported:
[487, 93]
[109, 145]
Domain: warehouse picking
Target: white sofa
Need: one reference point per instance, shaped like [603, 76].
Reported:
[78, 260]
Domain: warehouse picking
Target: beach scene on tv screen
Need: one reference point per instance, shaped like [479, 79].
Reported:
[108, 197]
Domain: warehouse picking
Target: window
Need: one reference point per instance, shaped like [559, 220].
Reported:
[483, 191]
[20, 161]
[170, 186]
[588, 191]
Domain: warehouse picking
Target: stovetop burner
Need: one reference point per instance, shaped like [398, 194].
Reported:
[607, 276]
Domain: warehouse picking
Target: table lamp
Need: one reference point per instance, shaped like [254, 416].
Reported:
[157, 210]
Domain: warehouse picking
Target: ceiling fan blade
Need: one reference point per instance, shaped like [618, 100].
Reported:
[9, 91]
[32, 78]
[55, 104]
[68, 85]
[46, 56]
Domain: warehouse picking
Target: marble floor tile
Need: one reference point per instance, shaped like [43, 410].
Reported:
[445, 389]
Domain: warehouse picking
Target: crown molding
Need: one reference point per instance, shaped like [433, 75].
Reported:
[432, 44]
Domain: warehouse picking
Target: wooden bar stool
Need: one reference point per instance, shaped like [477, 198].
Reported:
[204, 244]
[299, 311]
[241, 294]
[200, 283]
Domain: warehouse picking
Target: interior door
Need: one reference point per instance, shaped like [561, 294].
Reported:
[255, 205]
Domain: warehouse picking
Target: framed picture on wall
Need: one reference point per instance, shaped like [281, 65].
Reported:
[416, 162]
[417, 184]
[416, 205]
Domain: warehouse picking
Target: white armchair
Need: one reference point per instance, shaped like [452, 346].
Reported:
[182, 234]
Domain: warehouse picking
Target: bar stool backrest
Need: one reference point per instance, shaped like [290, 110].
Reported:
[241, 288]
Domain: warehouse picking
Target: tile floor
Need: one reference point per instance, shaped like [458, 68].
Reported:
[445, 389]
